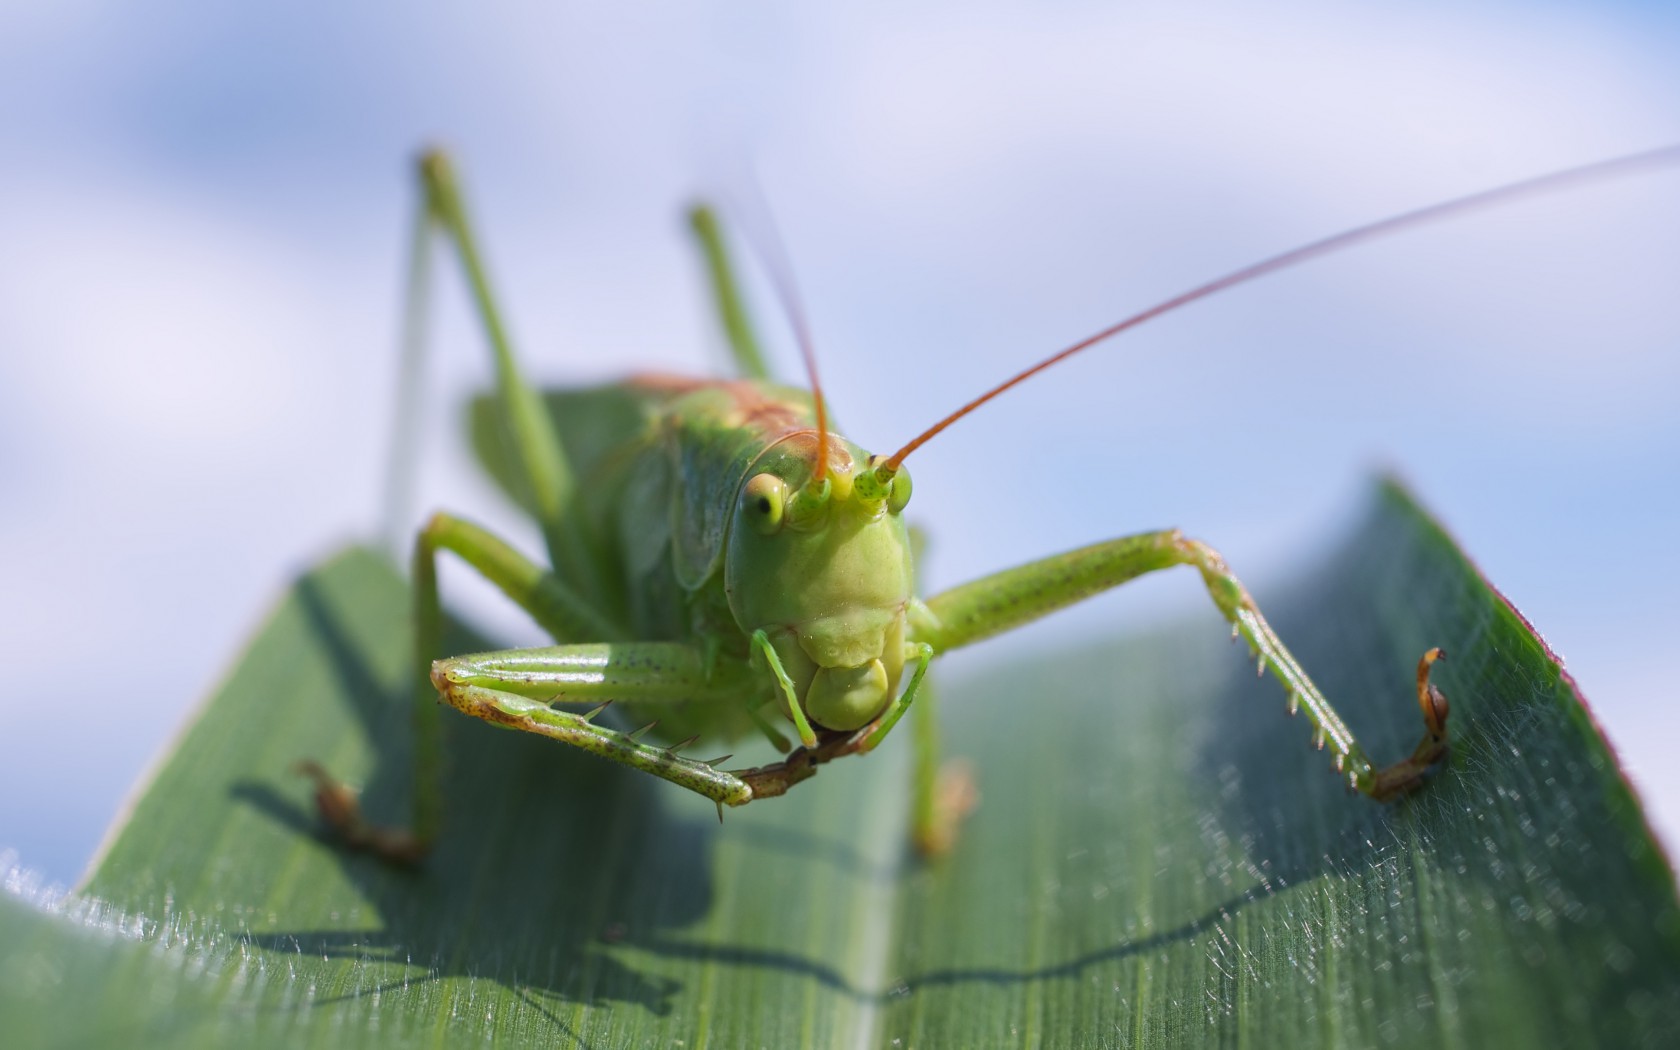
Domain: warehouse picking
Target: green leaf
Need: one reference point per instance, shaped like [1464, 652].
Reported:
[1158, 860]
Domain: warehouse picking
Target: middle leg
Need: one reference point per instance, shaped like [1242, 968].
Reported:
[550, 602]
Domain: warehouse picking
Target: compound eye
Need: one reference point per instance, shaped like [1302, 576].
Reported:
[763, 501]
[899, 495]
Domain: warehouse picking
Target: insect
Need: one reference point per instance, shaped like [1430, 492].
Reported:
[722, 564]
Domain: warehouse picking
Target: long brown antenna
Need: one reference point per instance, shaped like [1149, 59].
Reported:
[1557, 180]
[770, 250]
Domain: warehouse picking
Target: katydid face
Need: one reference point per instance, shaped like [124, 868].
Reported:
[839, 634]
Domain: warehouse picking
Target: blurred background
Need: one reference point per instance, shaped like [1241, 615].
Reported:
[203, 213]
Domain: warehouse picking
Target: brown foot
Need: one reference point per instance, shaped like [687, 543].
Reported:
[955, 795]
[342, 812]
[1408, 773]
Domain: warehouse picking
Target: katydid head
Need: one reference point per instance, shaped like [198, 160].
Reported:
[824, 570]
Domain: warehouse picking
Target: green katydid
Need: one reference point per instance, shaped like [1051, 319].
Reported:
[724, 563]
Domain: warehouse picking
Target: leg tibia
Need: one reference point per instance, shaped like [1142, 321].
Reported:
[533, 716]
[726, 291]
[942, 793]
[1350, 759]
[530, 432]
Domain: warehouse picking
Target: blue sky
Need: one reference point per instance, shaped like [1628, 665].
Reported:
[202, 209]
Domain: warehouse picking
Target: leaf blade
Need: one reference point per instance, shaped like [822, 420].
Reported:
[1158, 860]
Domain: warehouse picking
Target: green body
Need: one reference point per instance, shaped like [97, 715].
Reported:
[715, 558]
[660, 463]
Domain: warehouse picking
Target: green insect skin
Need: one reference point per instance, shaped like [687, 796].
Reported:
[709, 578]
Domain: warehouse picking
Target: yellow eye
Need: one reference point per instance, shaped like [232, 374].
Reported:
[900, 493]
[762, 502]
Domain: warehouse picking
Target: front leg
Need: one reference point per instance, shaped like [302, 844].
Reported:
[1016, 596]
[515, 689]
